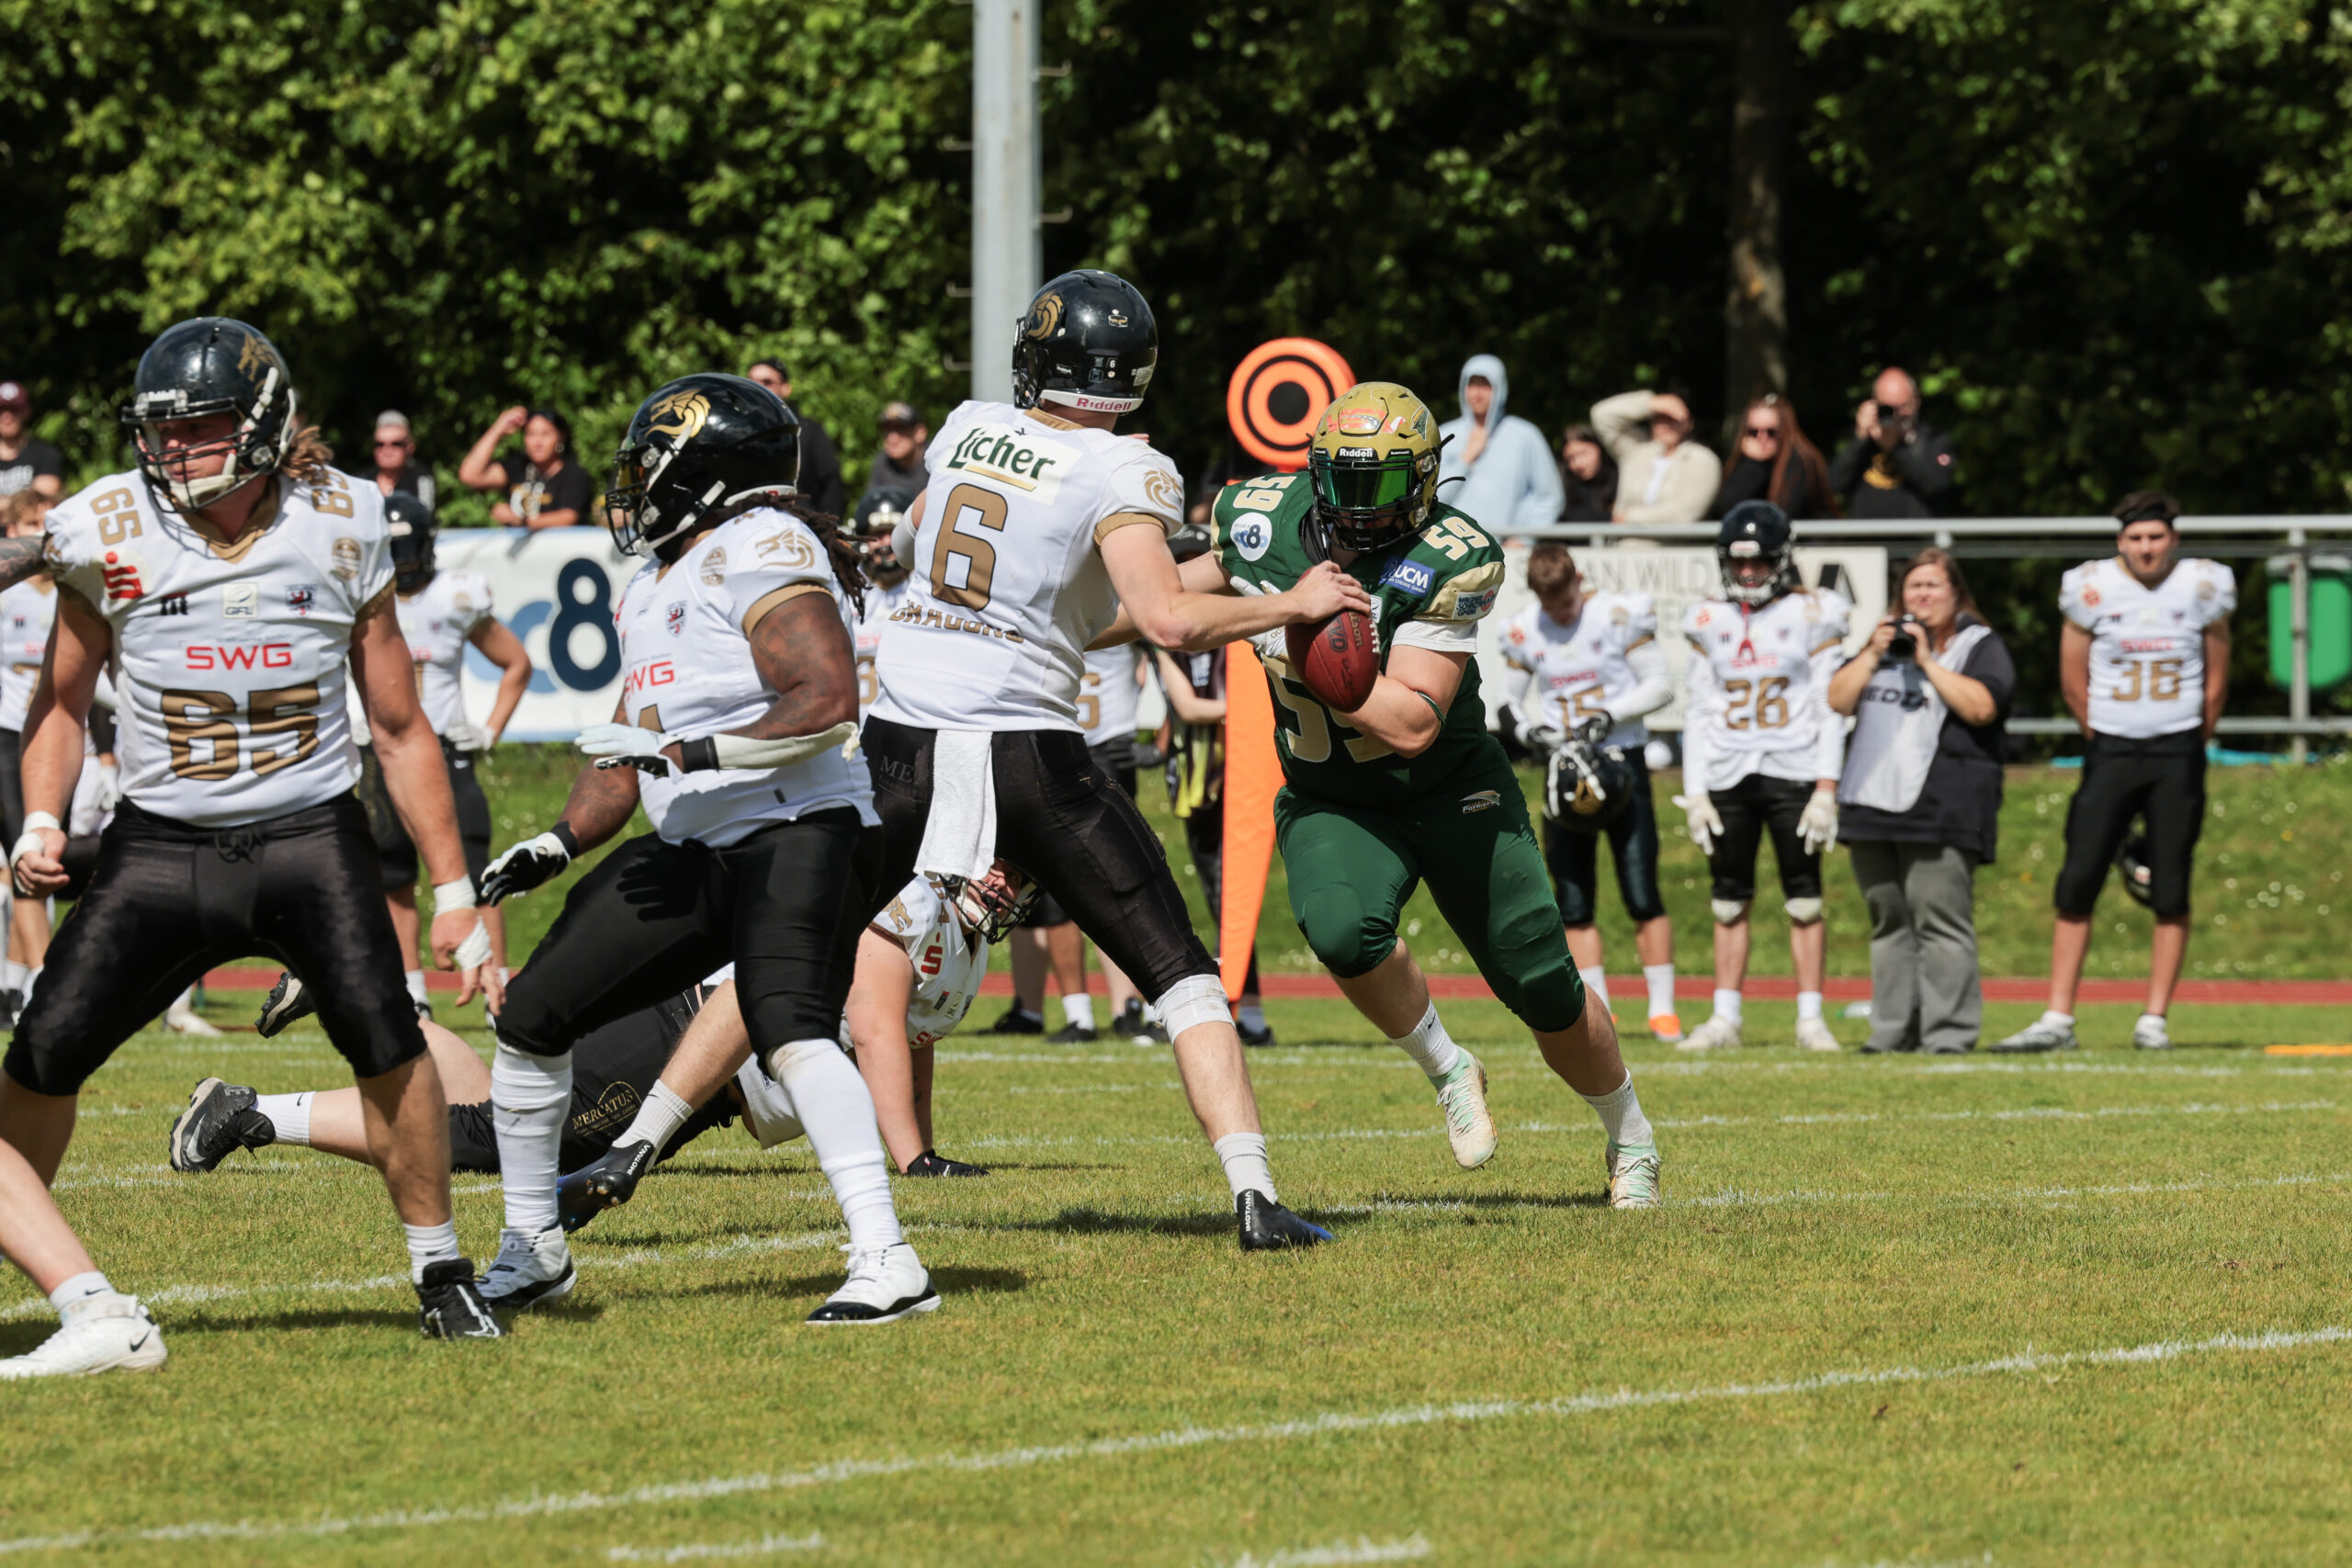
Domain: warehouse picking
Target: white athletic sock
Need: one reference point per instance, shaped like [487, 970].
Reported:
[13, 974]
[1659, 978]
[659, 1119]
[1429, 1046]
[32, 979]
[834, 1105]
[416, 978]
[1078, 1011]
[77, 1295]
[1808, 1005]
[2058, 1020]
[529, 1097]
[1727, 1005]
[1253, 1016]
[428, 1245]
[290, 1116]
[1620, 1114]
[1597, 983]
[1244, 1156]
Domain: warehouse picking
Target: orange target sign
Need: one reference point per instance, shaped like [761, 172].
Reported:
[1277, 393]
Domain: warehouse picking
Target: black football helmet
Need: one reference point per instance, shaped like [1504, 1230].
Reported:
[1589, 786]
[696, 452]
[2139, 877]
[1088, 342]
[412, 525]
[876, 517]
[210, 366]
[1756, 531]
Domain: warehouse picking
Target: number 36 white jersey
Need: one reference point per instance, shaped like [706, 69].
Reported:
[1759, 689]
[2148, 644]
[229, 659]
[1008, 587]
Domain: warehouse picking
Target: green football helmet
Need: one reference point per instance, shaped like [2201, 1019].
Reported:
[1372, 465]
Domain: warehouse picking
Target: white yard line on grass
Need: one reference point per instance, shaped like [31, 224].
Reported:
[1363, 1549]
[695, 1551]
[1324, 1423]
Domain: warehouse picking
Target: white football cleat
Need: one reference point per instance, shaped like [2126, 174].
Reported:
[181, 1018]
[529, 1269]
[1718, 1033]
[1633, 1175]
[2151, 1034]
[1813, 1034]
[119, 1337]
[883, 1285]
[2041, 1035]
[1469, 1125]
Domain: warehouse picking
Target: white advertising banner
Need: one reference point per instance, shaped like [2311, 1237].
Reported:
[1675, 578]
[556, 589]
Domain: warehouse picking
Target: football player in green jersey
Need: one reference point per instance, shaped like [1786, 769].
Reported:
[1410, 787]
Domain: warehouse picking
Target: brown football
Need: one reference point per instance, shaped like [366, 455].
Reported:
[1336, 659]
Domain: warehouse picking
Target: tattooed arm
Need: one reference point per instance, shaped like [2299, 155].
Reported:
[19, 557]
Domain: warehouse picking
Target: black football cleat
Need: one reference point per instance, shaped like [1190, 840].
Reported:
[287, 1000]
[449, 1304]
[12, 1002]
[1072, 1034]
[1257, 1039]
[604, 1182]
[220, 1120]
[1267, 1226]
[931, 1162]
[1016, 1021]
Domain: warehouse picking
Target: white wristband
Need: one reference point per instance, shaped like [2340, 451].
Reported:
[458, 894]
[35, 820]
[742, 752]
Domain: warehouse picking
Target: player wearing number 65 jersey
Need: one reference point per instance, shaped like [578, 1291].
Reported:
[2143, 663]
[235, 581]
[1762, 752]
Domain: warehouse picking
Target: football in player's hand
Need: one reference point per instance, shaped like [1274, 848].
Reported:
[1336, 659]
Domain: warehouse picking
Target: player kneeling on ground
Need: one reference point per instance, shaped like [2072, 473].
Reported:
[1404, 785]
[1761, 751]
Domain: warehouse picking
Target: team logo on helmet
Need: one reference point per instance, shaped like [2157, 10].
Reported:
[1046, 317]
[687, 409]
[1359, 422]
[256, 356]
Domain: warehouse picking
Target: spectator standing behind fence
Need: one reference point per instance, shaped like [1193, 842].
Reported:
[396, 468]
[1774, 462]
[1588, 477]
[1507, 478]
[1897, 465]
[1920, 801]
[27, 462]
[899, 464]
[820, 464]
[1663, 476]
[545, 487]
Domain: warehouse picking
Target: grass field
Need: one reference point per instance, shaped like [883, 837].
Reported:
[2080, 1310]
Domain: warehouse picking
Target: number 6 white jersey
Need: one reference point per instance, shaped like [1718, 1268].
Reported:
[2148, 644]
[1008, 587]
[229, 659]
[1759, 689]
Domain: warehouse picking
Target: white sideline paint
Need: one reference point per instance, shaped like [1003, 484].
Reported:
[1327, 1423]
[698, 1550]
[1363, 1549]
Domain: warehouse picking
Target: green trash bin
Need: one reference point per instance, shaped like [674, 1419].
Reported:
[2331, 622]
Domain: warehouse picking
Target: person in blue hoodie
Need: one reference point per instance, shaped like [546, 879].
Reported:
[1503, 466]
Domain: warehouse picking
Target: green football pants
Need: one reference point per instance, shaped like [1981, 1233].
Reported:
[1352, 868]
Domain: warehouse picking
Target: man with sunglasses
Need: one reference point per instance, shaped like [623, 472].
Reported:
[396, 468]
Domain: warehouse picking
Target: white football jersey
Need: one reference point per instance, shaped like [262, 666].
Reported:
[881, 603]
[1582, 667]
[437, 619]
[1758, 687]
[949, 959]
[1008, 587]
[229, 660]
[1107, 695]
[2148, 644]
[27, 611]
[687, 668]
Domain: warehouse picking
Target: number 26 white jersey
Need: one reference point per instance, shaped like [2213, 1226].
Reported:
[1759, 689]
[229, 659]
[1007, 586]
[2148, 644]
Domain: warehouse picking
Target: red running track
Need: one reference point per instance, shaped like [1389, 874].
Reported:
[2226, 993]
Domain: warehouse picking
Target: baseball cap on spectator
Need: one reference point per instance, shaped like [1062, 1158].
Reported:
[14, 397]
[901, 414]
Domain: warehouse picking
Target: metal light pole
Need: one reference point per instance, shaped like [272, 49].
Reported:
[1007, 253]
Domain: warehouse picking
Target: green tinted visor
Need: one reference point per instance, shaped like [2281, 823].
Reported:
[1361, 487]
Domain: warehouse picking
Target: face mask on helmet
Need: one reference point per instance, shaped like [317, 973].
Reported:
[992, 905]
[1367, 503]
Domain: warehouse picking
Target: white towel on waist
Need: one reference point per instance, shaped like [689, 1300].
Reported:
[960, 838]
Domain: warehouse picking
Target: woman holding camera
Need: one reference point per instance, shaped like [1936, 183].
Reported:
[1920, 800]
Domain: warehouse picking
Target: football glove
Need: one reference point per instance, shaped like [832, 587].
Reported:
[1543, 739]
[466, 735]
[109, 794]
[1817, 828]
[524, 867]
[1593, 733]
[1699, 819]
[627, 745]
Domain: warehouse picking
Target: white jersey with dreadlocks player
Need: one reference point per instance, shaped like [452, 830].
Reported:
[229, 659]
[687, 670]
[437, 619]
[1007, 585]
[1759, 689]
